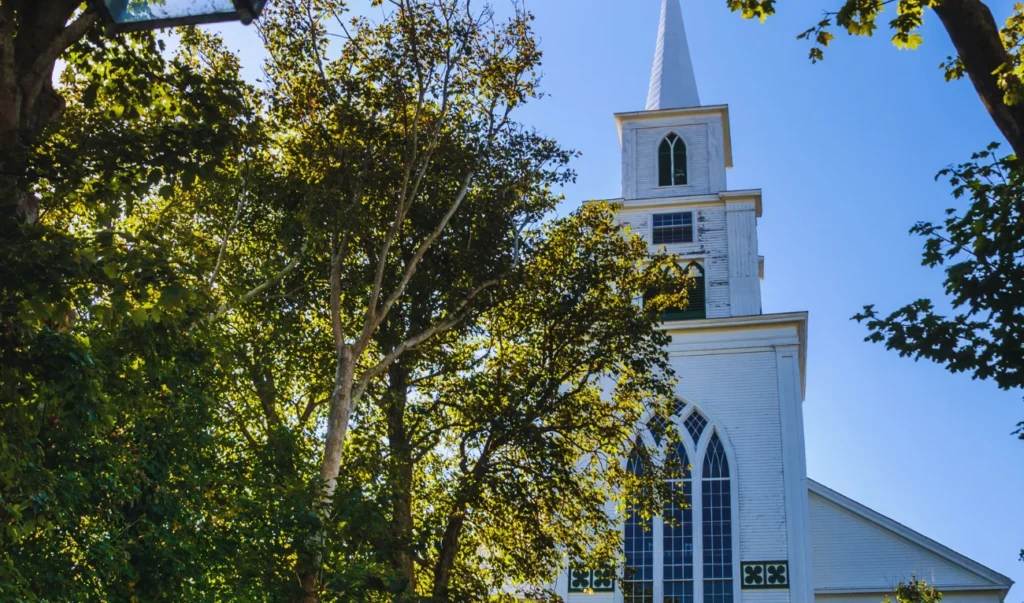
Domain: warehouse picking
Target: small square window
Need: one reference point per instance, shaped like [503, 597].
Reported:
[673, 228]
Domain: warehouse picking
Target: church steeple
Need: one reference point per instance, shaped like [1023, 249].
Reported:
[673, 84]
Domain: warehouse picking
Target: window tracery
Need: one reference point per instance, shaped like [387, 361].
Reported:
[671, 161]
[686, 554]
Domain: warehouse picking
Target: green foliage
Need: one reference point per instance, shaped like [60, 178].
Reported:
[753, 9]
[111, 453]
[981, 250]
[916, 591]
[209, 253]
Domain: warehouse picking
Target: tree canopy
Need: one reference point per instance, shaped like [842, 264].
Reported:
[318, 337]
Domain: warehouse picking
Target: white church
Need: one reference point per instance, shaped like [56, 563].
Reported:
[757, 530]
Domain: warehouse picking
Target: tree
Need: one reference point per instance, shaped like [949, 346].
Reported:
[915, 591]
[503, 448]
[991, 56]
[110, 451]
[981, 251]
[232, 276]
[33, 35]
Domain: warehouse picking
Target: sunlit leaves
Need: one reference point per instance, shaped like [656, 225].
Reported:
[753, 9]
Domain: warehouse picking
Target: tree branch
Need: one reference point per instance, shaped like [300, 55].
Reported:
[255, 292]
[460, 313]
[32, 80]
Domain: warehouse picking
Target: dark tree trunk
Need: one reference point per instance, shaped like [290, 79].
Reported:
[401, 470]
[975, 34]
[33, 35]
[449, 549]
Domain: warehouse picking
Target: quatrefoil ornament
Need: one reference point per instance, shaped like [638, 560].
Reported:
[777, 574]
[753, 575]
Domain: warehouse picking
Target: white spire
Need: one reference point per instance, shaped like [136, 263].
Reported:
[672, 82]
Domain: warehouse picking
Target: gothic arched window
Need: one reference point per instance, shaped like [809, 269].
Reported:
[697, 303]
[671, 161]
[638, 543]
[716, 524]
[696, 306]
[685, 555]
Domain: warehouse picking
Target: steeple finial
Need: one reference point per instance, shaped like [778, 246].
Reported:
[673, 84]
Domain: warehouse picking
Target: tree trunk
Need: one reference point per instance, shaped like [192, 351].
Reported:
[33, 35]
[449, 549]
[401, 476]
[309, 563]
[457, 519]
[975, 34]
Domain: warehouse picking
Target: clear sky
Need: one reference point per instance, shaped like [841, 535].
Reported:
[845, 152]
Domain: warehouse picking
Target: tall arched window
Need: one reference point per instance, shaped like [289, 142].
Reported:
[696, 306]
[638, 544]
[716, 523]
[686, 554]
[671, 161]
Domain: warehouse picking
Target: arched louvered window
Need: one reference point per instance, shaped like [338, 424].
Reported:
[671, 161]
[716, 524]
[696, 306]
[677, 533]
[638, 577]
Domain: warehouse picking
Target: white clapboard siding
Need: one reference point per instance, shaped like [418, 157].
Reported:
[853, 552]
[739, 391]
[697, 167]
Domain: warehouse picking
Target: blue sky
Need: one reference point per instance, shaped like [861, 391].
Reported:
[845, 152]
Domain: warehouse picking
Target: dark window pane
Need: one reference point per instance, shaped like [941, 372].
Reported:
[716, 519]
[665, 163]
[638, 543]
[696, 422]
[678, 591]
[679, 163]
[635, 463]
[673, 228]
[677, 545]
[715, 463]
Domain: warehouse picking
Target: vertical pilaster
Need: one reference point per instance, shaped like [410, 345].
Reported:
[628, 144]
[794, 464]
[744, 274]
[716, 156]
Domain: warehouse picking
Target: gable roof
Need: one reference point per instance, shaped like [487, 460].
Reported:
[849, 525]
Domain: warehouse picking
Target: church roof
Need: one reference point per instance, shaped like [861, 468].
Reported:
[673, 84]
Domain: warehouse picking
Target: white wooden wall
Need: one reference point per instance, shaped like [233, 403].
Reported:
[852, 553]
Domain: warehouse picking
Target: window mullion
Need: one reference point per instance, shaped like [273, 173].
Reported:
[659, 558]
[672, 161]
[698, 530]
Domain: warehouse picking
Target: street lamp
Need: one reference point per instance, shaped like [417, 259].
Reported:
[135, 15]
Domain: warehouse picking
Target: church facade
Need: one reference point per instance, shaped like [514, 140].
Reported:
[757, 530]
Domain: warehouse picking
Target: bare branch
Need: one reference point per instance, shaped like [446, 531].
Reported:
[460, 313]
[231, 226]
[277, 278]
[240, 422]
[337, 258]
[410, 269]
